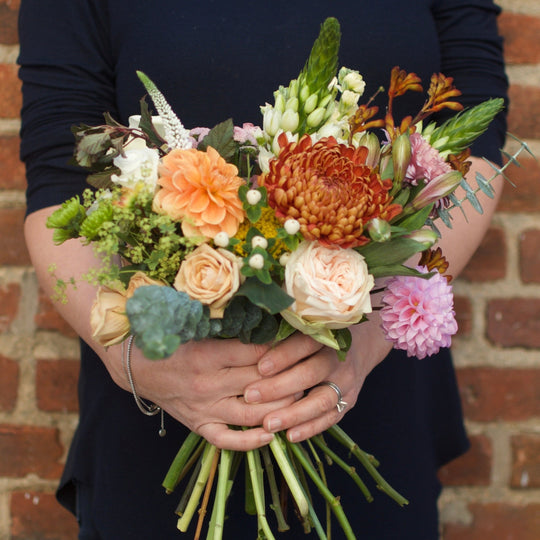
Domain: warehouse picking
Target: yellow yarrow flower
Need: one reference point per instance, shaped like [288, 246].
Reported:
[268, 225]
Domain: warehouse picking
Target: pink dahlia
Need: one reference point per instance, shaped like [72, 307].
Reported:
[418, 314]
[426, 163]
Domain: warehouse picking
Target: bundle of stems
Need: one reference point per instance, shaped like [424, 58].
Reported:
[295, 466]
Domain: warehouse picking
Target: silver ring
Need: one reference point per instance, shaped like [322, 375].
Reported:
[340, 404]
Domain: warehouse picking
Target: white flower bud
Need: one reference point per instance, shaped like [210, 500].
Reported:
[304, 93]
[311, 103]
[280, 101]
[271, 121]
[221, 239]
[253, 196]
[259, 241]
[316, 117]
[292, 226]
[292, 104]
[290, 120]
[284, 258]
[256, 261]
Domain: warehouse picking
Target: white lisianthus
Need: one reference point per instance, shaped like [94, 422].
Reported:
[137, 166]
[331, 287]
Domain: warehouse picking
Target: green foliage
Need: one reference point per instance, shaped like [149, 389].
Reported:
[271, 297]
[221, 139]
[162, 318]
[459, 132]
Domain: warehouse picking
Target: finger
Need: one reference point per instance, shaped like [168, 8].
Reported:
[313, 427]
[241, 440]
[236, 412]
[320, 403]
[300, 377]
[287, 353]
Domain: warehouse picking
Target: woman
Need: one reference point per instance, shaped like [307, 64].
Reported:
[214, 60]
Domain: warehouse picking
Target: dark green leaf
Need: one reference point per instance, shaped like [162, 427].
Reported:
[268, 296]
[221, 139]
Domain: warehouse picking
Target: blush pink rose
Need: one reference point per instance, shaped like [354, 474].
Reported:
[331, 287]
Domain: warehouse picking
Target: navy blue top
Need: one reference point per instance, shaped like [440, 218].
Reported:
[213, 60]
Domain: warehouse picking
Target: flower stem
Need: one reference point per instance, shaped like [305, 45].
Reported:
[289, 475]
[173, 475]
[208, 455]
[300, 455]
[367, 462]
[208, 489]
[349, 469]
[256, 475]
[224, 485]
[276, 505]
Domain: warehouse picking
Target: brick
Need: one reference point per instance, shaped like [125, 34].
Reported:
[56, 385]
[514, 322]
[8, 21]
[9, 383]
[520, 32]
[30, 449]
[471, 469]
[489, 261]
[13, 250]
[525, 461]
[529, 256]
[9, 304]
[524, 111]
[38, 516]
[48, 318]
[490, 394]
[10, 91]
[525, 195]
[463, 309]
[12, 172]
[497, 521]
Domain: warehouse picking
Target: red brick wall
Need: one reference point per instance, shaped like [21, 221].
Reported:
[492, 492]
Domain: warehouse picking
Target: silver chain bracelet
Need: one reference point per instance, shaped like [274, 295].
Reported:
[149, 409]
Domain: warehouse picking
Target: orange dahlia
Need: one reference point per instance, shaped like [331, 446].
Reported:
[329, 189]
[200, 189]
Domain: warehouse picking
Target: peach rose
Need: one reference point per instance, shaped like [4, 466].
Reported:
[331, 287]
[108, 319]
[201, 190]
[211, 276]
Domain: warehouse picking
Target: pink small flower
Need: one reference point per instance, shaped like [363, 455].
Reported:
[246, 133]
[426, 163]
[198, 134]
[418, 314]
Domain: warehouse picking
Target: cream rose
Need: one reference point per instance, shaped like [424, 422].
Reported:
[211, 276]
[331, 287]
[108, 318]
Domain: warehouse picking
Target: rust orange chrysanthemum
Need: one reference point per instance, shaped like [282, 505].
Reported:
[200, 189]
[329, 189]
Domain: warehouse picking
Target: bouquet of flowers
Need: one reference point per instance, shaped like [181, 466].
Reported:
[257, 232]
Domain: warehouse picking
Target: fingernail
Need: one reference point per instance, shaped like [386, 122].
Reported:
[298, 395]
[293, 436]
[266, 438]
[274, 425]
[252, 396]
[266, 366]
